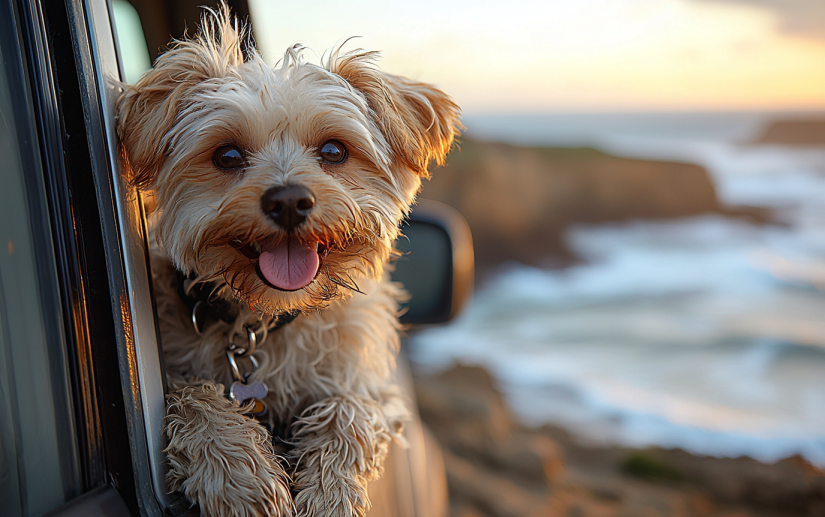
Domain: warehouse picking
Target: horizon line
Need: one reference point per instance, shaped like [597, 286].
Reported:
[815, 111]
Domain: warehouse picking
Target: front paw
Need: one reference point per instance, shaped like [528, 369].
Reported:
[221, 459]
[330, 495]
[236, 488]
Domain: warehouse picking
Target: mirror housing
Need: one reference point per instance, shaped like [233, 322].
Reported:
[437, 263]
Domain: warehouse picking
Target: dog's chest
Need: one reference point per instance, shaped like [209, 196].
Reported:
[350, 346]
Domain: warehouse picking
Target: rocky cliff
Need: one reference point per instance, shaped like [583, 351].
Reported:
[519, 200]
[801, 133]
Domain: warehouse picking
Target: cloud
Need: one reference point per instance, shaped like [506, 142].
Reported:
[805, 18]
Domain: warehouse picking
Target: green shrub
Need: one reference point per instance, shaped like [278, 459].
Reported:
[645, 465]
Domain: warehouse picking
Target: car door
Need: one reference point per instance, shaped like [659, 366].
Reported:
[75, 292]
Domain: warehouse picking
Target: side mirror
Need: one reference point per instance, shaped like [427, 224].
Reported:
[437, 263]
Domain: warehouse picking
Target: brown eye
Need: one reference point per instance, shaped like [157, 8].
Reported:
[333, 151]
[228, 157]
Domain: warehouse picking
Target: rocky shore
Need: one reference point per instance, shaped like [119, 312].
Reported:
[520, 200]
[497, 467]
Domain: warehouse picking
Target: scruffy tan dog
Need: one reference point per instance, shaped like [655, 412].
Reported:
[279, 193]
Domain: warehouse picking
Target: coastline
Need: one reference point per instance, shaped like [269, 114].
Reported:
[497, 466]
[519, 201]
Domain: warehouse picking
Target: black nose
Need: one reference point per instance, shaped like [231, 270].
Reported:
[288, 206]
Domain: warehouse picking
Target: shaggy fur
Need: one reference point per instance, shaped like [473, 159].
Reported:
[328, 372]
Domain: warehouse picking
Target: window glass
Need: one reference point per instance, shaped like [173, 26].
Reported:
[134, 53]
[38, 458]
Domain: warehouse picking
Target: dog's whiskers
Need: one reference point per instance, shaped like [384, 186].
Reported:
[341, 283]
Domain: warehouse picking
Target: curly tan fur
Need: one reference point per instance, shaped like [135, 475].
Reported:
[329, 372]
[236, 463]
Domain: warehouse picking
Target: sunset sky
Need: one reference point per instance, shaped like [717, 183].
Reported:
[577, 55]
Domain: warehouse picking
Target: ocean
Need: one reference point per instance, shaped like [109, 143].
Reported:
[705, 333]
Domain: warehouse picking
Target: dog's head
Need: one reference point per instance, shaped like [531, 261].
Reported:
[289, 183]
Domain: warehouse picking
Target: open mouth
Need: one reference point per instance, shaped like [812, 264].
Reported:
[287, 265]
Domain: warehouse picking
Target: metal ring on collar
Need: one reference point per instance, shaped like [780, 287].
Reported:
[236, 373]
[195, 317]
[233, 364]
[251, 342]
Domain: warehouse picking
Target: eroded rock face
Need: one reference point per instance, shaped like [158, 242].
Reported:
[499, 468]
[799, 133]
[519, 200]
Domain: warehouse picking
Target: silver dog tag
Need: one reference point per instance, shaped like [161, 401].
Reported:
[255, 391]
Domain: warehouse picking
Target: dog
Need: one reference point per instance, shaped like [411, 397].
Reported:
[279, 192]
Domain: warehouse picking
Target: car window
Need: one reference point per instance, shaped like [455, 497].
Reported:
[38, 452]
[134, 52]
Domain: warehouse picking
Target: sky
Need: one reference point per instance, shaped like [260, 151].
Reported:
[521, 56]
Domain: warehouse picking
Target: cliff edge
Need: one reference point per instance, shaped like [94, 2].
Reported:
[520, 200]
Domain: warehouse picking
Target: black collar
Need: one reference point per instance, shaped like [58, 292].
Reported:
[209, 306]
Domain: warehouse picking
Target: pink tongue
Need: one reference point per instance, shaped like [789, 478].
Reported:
[291, 265]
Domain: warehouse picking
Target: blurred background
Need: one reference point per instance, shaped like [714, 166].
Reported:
[644, 180]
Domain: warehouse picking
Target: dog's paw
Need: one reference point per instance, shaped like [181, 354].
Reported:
[330, 497]
[243, 489]
[221, 459]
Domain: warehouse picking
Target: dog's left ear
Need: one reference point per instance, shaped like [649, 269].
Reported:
[418, 120]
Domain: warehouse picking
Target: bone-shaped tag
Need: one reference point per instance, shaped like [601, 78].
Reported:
[242, 392]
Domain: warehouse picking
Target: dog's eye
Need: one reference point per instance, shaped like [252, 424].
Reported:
[333, 151]
[228, 157]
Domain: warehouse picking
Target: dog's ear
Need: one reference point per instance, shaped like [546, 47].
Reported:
[147, 111]
[418, 120]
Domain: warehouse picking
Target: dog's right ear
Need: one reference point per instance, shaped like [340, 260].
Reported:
[148, 111]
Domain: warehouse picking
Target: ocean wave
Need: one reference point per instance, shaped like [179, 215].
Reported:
[705, 333]
[676, 334]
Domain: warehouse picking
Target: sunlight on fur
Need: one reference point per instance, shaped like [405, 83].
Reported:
[281, 189]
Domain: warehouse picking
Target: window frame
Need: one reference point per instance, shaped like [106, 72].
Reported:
[142, 375]
[100, 253]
